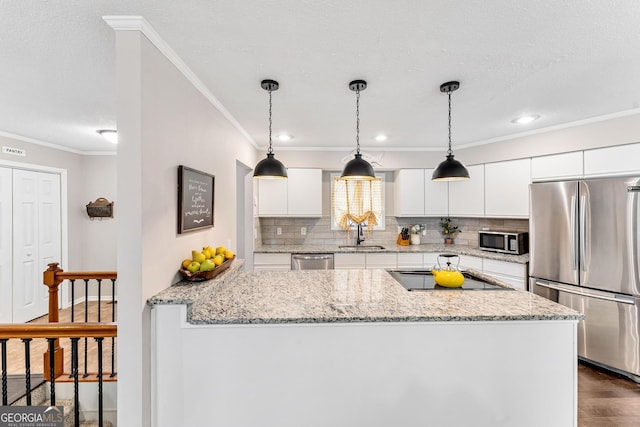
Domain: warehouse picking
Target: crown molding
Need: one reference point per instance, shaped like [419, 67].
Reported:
[55, 146]
[138, 23]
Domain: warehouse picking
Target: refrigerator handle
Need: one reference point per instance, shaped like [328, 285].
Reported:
[583, 233]
[585, 293]
[573, 225]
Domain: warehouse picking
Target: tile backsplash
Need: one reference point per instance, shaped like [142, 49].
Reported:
[319, 232]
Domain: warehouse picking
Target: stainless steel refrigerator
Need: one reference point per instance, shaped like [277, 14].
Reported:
[584, 254]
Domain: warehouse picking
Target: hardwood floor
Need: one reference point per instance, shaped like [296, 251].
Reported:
[15, 347]
[606, 399]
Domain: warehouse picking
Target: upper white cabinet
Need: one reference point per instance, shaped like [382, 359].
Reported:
[618, 160]
[436, 196]
[409, 192]
[557, 166]
[466, 198]
[272, 197]
[304, 196]
[299, 195]
[416, 195]
[507, 188]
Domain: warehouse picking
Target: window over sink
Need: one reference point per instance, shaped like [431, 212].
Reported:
[352, 201]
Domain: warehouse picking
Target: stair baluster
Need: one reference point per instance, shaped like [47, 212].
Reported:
[27, 368]
[5, 398]
[74, 374]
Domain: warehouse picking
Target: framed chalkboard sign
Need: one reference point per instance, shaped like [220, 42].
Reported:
[195, 199]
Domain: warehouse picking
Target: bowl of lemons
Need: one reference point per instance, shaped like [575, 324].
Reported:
[206, 264]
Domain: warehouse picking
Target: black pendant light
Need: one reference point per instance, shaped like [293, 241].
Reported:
[270, 167]
[450, 169]
[358, 168]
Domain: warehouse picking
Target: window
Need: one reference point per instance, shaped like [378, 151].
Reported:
[357, 201]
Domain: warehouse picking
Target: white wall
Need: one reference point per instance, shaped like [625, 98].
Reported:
[163, 122]
[99, 243]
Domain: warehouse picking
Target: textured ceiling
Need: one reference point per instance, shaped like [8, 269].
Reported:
[565, 61]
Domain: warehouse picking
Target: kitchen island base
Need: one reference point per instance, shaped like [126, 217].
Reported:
[481, 373]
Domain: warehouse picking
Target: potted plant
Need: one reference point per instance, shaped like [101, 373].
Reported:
[448, 230]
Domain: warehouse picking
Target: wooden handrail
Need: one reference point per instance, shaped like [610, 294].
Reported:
[58, 330]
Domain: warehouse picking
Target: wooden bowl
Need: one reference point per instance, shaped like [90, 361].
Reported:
[200, 276]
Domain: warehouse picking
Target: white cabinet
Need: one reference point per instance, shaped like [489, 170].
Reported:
[349, 260]
[410, 260]
[436, 196]
[512, 273]
[506, 186]
[466, 198]
[469, 262]
[618, 160]
[271, 261]
[416, 195]
[272, 197]
[409, 192]
[557, 166]
[382, 260]
[300, 195]
[304, 192]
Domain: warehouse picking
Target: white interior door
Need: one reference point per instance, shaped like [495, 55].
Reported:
[6, 245]
[36, 240]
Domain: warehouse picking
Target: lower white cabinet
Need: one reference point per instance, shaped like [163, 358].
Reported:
[382, 260]
[411, 260]
[512, 273]
[343, 261]
[271, 261]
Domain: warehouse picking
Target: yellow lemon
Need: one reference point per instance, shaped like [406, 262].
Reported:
[228, 254]
[220, 250]
[186, 262]
[218, 259]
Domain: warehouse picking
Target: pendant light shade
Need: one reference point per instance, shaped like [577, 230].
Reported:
[358, 168]
[450, 169]
[270, 167]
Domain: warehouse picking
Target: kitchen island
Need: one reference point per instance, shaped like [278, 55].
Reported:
[354, 348]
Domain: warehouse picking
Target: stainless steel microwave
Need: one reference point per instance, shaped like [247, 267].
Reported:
[508, 242]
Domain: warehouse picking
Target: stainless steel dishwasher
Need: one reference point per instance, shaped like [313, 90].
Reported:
[312, 261]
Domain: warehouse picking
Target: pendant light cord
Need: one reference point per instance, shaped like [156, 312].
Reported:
[358, 121]
[449, 151]
[270, 150]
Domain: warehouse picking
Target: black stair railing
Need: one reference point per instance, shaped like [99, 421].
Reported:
[52, 332]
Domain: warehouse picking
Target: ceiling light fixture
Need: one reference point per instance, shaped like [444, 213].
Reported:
[381, 138]
[450, 169]
[358, 168]
[109, 134]
[523, 120]
[270, 167]
[285, 137]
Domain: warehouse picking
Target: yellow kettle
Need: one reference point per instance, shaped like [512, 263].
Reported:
[448, 276]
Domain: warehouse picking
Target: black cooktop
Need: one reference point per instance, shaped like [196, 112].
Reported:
[422, 280]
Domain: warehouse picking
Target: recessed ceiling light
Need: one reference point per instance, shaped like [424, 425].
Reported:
[109, 134]
[523, 120]
[285, 137]
[381, 138]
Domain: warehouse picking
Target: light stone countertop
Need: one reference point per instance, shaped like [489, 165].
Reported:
[439, 248]
[342, 296]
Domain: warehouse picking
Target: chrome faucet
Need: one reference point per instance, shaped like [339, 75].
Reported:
[360, 236]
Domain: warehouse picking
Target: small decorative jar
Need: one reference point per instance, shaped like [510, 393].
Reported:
[415, 239]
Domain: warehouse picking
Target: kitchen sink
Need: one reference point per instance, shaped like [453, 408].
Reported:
[362, 247]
